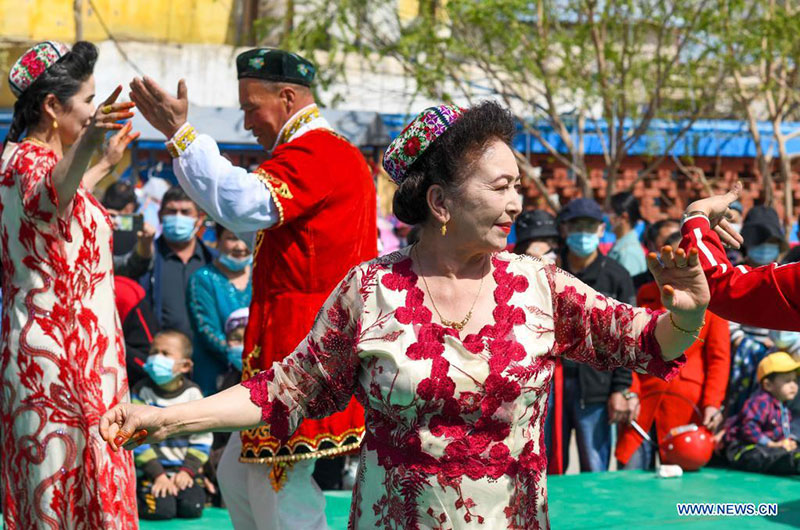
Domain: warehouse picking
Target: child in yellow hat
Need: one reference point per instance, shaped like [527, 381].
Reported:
[758, 439]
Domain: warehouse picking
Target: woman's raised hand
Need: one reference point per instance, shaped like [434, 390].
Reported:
[684, 289]
[716, 208]
[116, 145]
[128, 425]
[108, 113]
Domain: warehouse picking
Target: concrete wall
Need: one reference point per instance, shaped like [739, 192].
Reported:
[186, 21]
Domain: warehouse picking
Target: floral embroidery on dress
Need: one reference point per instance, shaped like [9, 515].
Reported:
[454, 425]
[63, 359]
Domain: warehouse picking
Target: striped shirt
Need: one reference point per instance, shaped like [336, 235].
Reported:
[187, 453]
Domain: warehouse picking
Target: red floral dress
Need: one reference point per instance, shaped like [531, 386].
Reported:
[63, 359]
[454, 435]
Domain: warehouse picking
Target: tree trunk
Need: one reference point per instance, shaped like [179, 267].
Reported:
[288, 20]
[611, 182]
[77, 12]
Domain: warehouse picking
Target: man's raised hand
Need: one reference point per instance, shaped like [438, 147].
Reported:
[165, 112]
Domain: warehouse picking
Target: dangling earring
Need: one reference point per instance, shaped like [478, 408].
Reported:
[55, 124]
[444, 229]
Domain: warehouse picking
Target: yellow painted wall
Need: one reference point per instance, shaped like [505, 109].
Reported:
[175, 21]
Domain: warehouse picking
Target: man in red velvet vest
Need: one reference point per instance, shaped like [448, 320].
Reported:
[309, 213]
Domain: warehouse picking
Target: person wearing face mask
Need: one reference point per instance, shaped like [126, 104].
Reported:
[308, 212]
[763, 296]
[763, 243]
[179, 253]
[763, 236]
[449, 344]
[537, 235]
[215, 291]
[592, 399]
[170, 482]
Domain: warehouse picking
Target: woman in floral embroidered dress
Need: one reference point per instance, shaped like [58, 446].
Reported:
[63, 359]
[454, 409]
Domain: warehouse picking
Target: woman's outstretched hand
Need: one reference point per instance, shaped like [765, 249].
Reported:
[684, 289]
[128, 425]
[108, 113]
[716, 208]
[115, 148]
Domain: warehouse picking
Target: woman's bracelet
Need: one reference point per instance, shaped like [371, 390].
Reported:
[694, 333]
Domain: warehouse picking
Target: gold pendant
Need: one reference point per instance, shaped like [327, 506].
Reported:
[458, 326]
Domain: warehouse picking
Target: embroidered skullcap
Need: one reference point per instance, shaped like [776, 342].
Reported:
[272, 64]
[416, 137]
[237, 319]
[33, 63]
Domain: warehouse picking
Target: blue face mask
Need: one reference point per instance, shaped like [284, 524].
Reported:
[160, 369]
[235, 264]
[179, 228]
[764, 253]
[235, 356]
[583, 243]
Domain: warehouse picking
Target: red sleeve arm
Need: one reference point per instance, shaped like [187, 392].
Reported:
[766, 297]
[717, 353]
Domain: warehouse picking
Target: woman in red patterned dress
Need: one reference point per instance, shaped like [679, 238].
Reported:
[63, 359]
[454, 409]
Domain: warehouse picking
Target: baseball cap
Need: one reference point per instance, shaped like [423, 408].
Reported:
[761, 224]
[580, 208]
[535, 224]
[776, 363]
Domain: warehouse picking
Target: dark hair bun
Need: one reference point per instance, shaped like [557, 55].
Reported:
[409, 203]
[63, 80]
[448, 157]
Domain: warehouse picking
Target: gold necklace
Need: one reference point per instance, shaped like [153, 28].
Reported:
[458, 326]
[33, 140]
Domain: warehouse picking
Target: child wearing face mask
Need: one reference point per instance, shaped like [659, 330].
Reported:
[169, 479]
[759, 438]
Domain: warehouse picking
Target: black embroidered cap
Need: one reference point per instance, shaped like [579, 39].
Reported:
[272, 64]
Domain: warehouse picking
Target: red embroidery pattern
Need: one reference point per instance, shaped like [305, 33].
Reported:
[454, 434]
[62, 357]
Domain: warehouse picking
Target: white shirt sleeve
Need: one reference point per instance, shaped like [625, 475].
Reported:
[238, 200]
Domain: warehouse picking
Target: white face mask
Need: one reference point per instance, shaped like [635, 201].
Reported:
[550, 257]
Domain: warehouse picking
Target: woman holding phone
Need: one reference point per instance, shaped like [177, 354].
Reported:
[63, 360]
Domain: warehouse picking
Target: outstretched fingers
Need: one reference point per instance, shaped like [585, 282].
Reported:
[693, 259]
[141, 95]
[155, 91]
[728, 235]
[667, 296]
[113, 97]
[680, 258]
[652, 262]
[668, 257]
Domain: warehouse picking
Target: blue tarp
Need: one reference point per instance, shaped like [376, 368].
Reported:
[706, 138]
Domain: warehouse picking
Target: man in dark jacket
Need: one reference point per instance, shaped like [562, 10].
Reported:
[178, 254]
[592, 400]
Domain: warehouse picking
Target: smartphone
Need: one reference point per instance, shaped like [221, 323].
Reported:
[128, 222]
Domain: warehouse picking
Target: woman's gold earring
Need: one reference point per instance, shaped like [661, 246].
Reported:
[55, 124]
[444, 229]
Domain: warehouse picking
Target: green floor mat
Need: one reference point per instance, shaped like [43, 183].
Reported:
[619, 500]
